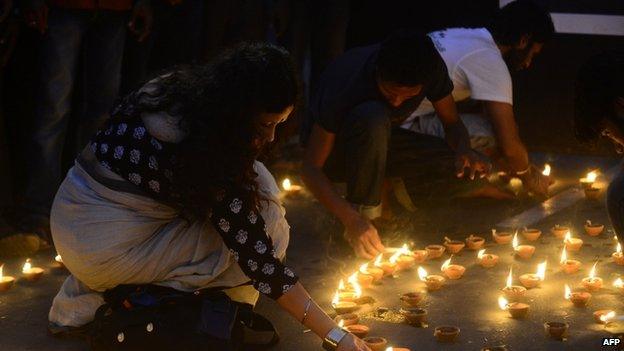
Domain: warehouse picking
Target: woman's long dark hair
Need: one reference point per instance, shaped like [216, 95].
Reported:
[219, 103]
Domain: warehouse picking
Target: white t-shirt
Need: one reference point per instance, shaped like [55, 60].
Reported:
[475, 66]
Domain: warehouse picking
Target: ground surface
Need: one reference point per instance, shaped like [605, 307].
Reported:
[320, 258]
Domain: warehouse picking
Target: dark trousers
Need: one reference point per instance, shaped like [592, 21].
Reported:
[368, 149]
[615, 203]
[96, 38]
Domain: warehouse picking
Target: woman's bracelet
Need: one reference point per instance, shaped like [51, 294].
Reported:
[305, 311]
[524, 171]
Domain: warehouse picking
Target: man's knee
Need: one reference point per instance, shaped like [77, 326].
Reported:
[370, 118]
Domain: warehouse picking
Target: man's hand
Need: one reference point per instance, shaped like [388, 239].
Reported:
[142, 20]
[534, 181]
[363, 237]
[471, 163]
[36, 15]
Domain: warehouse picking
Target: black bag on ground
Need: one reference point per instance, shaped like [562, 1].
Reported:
[150, 317]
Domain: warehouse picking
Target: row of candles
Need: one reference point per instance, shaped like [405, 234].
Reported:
[348, 297]
[29, 273]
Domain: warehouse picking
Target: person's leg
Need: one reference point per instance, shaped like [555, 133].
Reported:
[615, 203]
[359, 155]
[104, 45]
[59, 54]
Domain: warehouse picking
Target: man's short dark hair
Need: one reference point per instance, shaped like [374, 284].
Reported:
[408, 59]
[519, 18]
[598, 84]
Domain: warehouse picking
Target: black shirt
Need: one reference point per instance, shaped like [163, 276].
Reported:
[350, 80]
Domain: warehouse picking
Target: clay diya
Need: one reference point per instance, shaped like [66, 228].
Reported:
[31, 273]
[619, 284]
[532, 234]
[404, 258]
[618, 257]
[592, 193]
[572, 244]
[559, 231]
[502, 237]
[415, 316]
[358, 330]
[578, 298]
[343, 307]
[376, 343]
[419, 255]
[446, 333]
[452, 271]
[556, 330]
[435, 251]
[515, 309]
[289, 188]
[593, 229]
[347, 319]
[363, 277]
[487, 260]
[6, 282]
[603, 316]
[374, 271]
[522, 251]
[513, 292]
[568, 266]
[475, 242]
[531, 280]
[453, 246]
[433, 282]
[412, 299]
[589, 179]
[388, 267]
[592, 283]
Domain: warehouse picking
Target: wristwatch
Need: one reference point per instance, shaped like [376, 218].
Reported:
[333, 338]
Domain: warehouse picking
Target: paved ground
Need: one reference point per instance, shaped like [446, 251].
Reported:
[470, 303]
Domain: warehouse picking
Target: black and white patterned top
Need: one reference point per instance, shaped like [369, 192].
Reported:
[125, 147]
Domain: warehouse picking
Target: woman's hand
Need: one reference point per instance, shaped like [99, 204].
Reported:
[352, 343]
[363, 237]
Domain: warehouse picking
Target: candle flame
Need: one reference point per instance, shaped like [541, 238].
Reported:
[568, 293]
[286, 185]
[592, 273]
[493, 231]
[481, 253]
[422, 274]
[615, 238]
[58, 259]
[356, 286]
[618, 283]
[393, 259]
[509, 279]
[378, 261]
[503, 303]
[567, 237]
[341, 285]
[405, 251]
[446, 264]
[591, 176]
[27, 266]
[341, 323]
[514, 242]
[546, 171]
[607, 317]
[336, 299]
[618, 249]
[564, 256]
[541, 270]
[1, 269]
[390, 348]
[364, 268]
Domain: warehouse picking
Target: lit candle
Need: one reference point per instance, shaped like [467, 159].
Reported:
[592, 283]
[515, 309]
[433, 282]
[453, 246]
[531, 280]
[375, 271]
[364, 277]
[6, 282]
[578, 298]
[475, 242]
[58, 266]
[522, 251]
[452, 271]
[559, 231]
[342, 307]
[290, 188]
[357, 289]
[572, 244]
[604, 316]
[347, 319]
[406, 258]
[619, 284]
[31, 273]
[618, 258]
[486, 260]
[390, 266]
[532, 234]
[435, 251]
[513, 292]
[546, 170]
[593, 229]
[589, 179]
[502, 237]
[569, 266]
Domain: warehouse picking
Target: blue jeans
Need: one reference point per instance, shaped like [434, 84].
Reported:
[75, 39]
